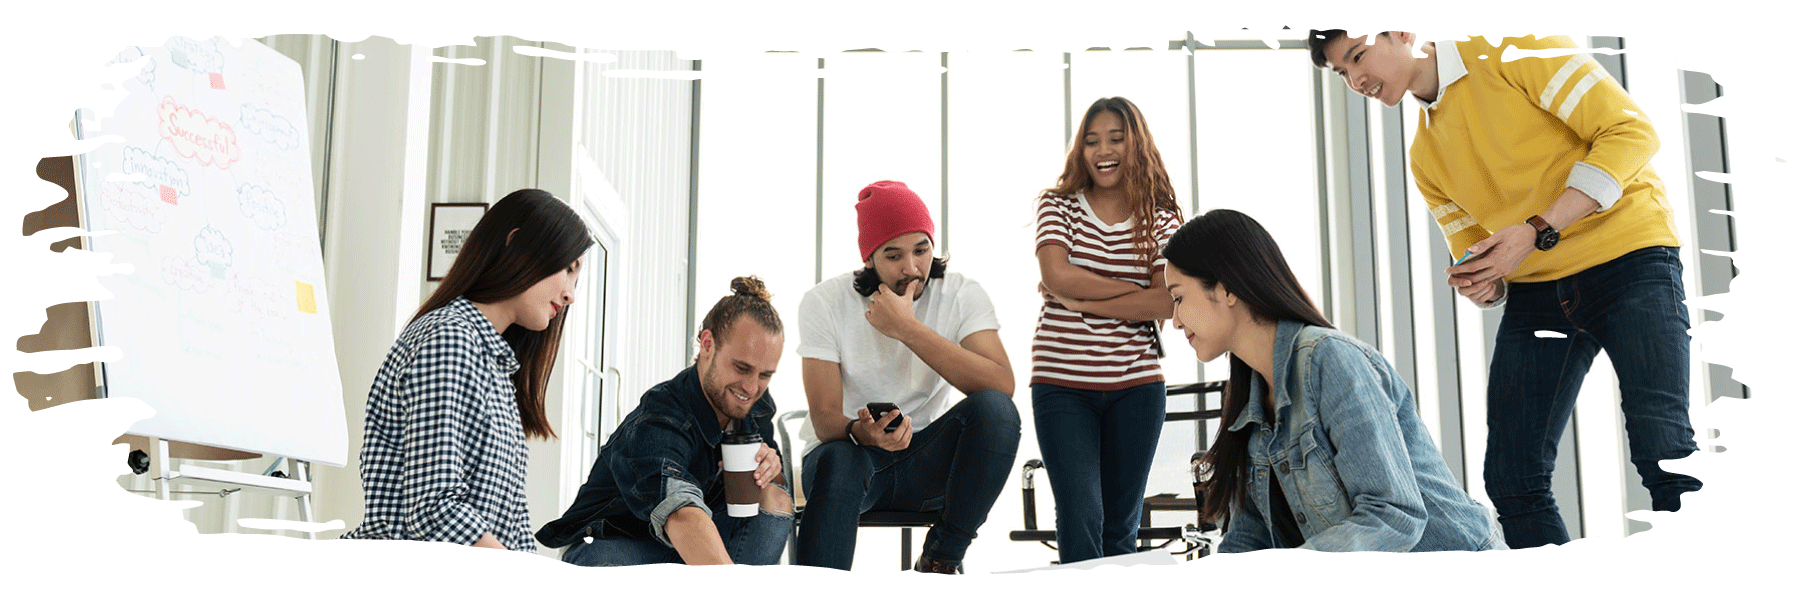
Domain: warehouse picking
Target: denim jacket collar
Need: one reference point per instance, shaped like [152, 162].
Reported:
[1286, 332]
[687, 384]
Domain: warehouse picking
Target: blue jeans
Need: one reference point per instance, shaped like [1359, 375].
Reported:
[756, 540]
[1633, 307]
[956, 466]
[1097, 449]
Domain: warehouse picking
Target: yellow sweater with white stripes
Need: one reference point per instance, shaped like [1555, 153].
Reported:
[1502, 141]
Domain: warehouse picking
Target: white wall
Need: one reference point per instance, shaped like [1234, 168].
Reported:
[376, 203]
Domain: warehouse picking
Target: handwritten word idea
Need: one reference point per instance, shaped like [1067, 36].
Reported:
[213, 249]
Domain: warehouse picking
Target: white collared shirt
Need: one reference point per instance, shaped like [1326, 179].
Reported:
[1450, 68]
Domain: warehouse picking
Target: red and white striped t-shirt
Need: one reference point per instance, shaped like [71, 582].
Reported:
[1086, 351]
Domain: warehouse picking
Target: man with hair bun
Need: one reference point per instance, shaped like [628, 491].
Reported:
[656, 493]
[901, 331]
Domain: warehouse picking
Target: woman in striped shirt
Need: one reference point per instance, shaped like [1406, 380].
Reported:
[443, 454]
[1097, 392]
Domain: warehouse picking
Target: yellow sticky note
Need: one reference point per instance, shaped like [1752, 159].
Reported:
[304, 292]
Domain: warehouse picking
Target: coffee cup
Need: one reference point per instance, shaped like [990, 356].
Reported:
[742, 496]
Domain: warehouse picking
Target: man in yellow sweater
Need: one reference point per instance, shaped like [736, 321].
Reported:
[1538, 145]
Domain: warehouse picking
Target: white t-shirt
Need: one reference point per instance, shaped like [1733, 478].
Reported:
[877, 368]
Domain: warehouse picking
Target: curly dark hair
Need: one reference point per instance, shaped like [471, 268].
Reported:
[1147, 186]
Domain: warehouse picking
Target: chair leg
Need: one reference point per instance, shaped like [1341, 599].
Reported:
[1143, 523]
[906, 561]
[793, 548]
[793, 544]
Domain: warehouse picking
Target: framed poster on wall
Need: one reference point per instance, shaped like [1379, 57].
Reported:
[450, 225]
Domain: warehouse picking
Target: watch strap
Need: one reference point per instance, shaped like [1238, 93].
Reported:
[850, 434]
[1547, 236]
[1539, 222]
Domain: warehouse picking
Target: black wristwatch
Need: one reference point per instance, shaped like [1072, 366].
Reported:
[849, 434]
[1547, 235]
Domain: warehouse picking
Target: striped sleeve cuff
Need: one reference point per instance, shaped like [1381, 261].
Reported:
[1596, 184]
[677, 493]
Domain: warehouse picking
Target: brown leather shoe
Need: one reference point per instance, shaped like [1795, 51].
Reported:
[931, 565]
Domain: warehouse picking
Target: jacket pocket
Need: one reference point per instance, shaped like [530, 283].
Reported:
[1310, 465]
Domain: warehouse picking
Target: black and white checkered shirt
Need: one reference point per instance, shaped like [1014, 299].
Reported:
[443, 455]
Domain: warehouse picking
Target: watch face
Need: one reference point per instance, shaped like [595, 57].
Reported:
[1547, 239]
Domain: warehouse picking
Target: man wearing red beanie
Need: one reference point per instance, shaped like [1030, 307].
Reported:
[901, 331]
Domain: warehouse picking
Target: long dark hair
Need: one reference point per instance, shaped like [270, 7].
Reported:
[526, 236]
[1228, 247]
[1147, 186]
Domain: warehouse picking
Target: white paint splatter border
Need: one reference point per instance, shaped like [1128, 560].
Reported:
[71, 520]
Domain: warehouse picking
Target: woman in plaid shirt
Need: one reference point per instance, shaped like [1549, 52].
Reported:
[443, 455]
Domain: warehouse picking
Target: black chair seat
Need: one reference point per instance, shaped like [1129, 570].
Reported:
[1169, 502]
[897, 518]
[1049, 535]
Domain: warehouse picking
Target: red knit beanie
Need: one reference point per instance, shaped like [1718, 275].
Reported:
[886, 210]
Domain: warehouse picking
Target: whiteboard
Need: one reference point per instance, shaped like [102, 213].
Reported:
[222, 319]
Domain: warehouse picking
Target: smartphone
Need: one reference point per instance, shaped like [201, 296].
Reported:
[877, 409]
[1465, 258]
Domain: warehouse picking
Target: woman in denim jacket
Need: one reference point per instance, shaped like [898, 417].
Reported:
[1320, 445]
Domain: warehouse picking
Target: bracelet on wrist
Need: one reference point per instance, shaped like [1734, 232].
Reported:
[851, 435]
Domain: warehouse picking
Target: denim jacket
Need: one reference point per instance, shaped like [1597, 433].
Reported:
[1356, 465]
[663, 457]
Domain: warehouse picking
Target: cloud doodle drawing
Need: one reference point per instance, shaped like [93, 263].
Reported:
[146, 76]
[197, 136]
[158, 172]
[213, 249]
[195, 55]
[273, 128]
[129, 204]
[261, 207]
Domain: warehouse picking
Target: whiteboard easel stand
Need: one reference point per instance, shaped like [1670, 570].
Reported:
[300, 487]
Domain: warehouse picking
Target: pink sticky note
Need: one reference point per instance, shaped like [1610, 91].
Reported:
[218, 80]
[167, 193]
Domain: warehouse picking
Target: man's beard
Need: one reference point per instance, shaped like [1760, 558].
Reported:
[720, 397]
[900, 286]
